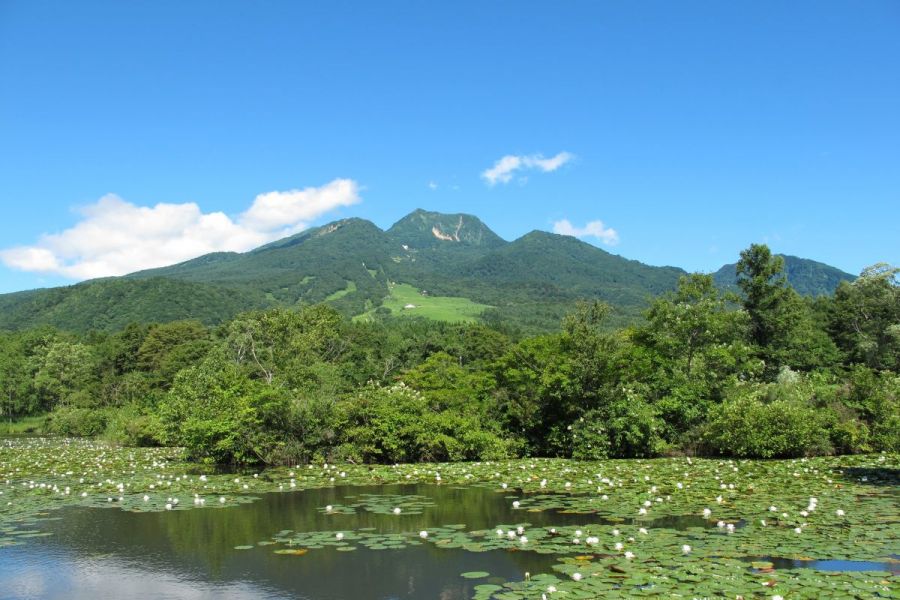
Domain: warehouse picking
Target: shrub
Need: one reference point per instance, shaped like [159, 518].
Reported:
[747, 426]
[633, 428]
[128, 426]
[886, 433]
[80, 422]
[219, 415]
[396, 424]
[589, 437]
[626, 428]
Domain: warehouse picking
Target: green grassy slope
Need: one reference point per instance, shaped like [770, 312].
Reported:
[407, 301]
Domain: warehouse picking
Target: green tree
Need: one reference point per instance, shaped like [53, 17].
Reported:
[278, 346]
[168, 348]
[539, 393]
[220, 415]
[760, 275]
[448, 385]
[781, 326]
[66, 374]
[696, 342]
[865, 318]
[14, 381]
[396, 423]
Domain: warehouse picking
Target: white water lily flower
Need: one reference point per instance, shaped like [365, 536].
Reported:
[839, 512]
[576, 576]
[423, 534]
[685, 549]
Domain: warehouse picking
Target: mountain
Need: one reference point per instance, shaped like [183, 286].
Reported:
[313, 266]
[808, 277]
[451, 266]
[110, 304]
[422, 229]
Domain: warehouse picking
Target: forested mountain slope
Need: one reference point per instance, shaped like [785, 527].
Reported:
[351, 264]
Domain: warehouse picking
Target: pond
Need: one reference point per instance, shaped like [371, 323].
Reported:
[92, 552]
[84, 520]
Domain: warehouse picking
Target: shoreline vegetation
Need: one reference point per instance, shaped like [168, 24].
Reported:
[765, 373]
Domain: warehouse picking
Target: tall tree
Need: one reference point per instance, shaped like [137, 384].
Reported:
[865, 320]
[766, 293]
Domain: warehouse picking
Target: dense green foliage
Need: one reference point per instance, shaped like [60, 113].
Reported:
[766, 373]
[465, 269]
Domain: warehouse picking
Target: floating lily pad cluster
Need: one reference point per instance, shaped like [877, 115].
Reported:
[692, 577]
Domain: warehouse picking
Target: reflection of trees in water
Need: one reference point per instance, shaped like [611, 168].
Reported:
[199, 543]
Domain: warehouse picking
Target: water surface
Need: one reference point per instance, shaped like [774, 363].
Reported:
[109, 553]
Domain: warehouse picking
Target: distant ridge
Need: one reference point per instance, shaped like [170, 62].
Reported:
[353, 265]
[808, 277]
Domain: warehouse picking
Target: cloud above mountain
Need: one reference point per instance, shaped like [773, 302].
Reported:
[595, 229]
[510, 165]
[115, 237]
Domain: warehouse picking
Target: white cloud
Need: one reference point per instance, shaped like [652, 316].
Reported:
[432, 185]
[115, 237]
[504, 169]
[597, 229]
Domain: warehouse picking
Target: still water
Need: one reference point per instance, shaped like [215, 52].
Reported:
[109, 553]
[97, 553]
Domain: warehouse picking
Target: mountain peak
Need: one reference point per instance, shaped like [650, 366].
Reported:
[426, 229]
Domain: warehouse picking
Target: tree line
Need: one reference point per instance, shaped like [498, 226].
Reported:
[764, 373]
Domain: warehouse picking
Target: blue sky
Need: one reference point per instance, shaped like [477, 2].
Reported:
[688, 129]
